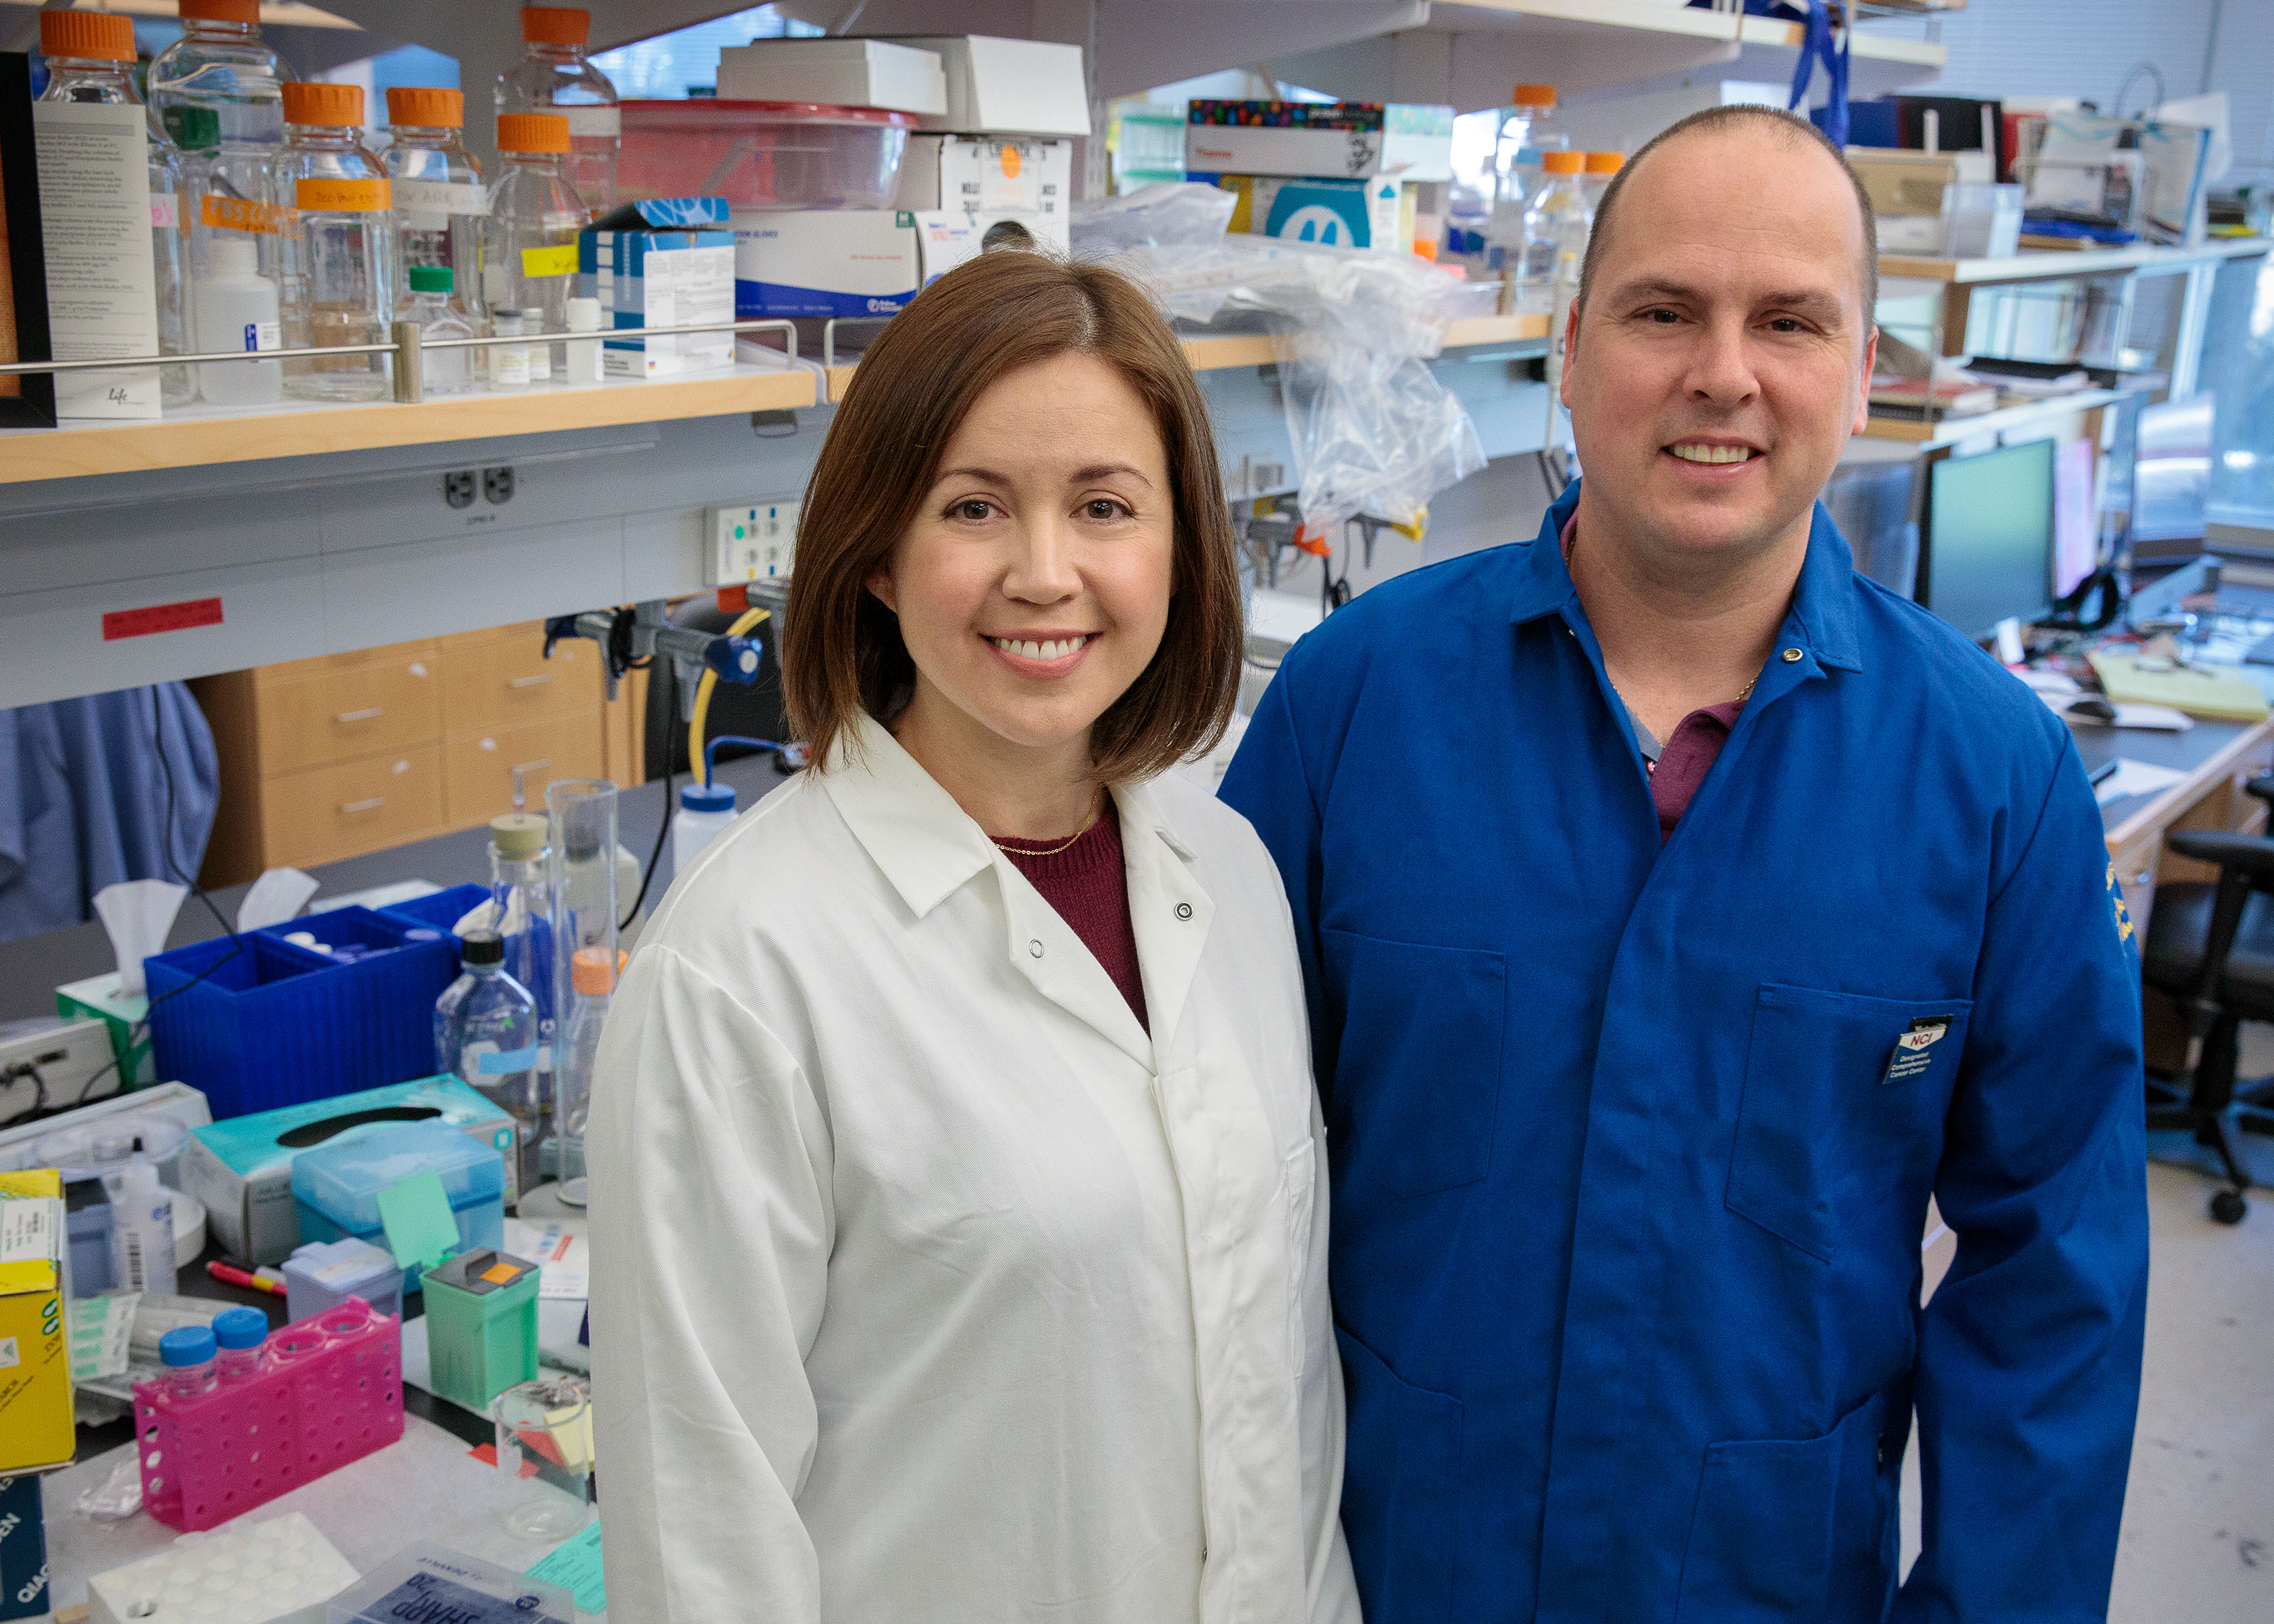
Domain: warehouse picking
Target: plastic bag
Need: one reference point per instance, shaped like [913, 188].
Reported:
[1372, 430]
[1164, 214]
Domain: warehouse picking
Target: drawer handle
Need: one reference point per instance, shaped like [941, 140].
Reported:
[542, 677]
[372, 805]
[371, 715]
[531, 766]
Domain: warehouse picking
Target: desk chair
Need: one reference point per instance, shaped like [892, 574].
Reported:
[2212, 949]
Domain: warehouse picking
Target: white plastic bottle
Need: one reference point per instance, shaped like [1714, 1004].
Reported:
[584, 353]
[554, 76]
[142, 1229]
[705, 810]
[509, 363]
[235, 309]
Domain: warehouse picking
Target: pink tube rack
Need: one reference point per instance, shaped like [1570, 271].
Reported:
[331, 1392]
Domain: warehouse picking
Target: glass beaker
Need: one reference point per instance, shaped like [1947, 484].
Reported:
[546, 1424]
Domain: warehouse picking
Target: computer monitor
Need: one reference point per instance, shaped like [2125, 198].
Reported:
[1988, 551]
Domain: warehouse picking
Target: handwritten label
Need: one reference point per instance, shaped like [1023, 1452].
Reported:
[341, 194]
[236, 213]
[549, 261]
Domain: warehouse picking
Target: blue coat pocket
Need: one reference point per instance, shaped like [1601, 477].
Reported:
[1835, 1083]
[1416, 1083]
[1401, 1489]
[1771, 1514]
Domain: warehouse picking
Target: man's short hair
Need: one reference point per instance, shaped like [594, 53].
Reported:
[1744, 115]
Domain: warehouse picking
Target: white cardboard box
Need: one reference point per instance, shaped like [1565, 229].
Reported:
[823, 262]
[998, 87]
[987, 174]
[947, 238]
[834, 72]
[1416, 144]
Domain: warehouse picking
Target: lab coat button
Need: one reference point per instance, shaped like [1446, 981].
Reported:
[1184, 910]
[1791, 655]
[1036, 948]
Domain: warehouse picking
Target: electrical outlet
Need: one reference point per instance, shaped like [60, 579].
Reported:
[458, 488]
[497, 485]
[752, 542]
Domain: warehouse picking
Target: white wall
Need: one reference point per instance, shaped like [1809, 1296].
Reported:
[2085, 48]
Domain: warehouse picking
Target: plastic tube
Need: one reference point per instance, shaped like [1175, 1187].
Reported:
[696, 760]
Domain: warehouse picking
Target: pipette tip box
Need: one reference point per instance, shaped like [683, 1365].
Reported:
[431, 1581]
[481, 1326]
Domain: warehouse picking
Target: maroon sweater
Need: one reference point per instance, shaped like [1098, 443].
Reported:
[1087, 885]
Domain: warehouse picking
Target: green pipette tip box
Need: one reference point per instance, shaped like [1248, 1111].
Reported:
[481, 1304]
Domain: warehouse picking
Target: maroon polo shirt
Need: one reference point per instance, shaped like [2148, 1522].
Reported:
[1679, 765]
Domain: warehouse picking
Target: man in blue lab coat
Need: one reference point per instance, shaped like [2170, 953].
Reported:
[1641, 1059]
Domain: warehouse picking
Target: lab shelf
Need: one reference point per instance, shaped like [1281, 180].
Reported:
[199, 435]
[2039, 265]
[2004, 419]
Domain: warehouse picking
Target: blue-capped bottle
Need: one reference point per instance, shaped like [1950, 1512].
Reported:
[485, 1031]
[242, 1334]
[187, 1354]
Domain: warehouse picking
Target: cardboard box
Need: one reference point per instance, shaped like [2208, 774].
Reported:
[835, 73]
[998, 87]
[660, 262]
[987, 174]
[825, 262]
[242, 1169]
[1337, 213]
[35, 1388]
[1351, 140]
[101, 998]
[23, 1550]
[947, 238]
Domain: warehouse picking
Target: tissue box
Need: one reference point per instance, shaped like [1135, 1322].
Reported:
[985, 174]
[660, 262]
[35, 1389]
[100, 998]
[837, 72]
[825, 262]
[242, 1169]
[338, 1188]
[1008, 86]
[1351, 139]
[1340, 213]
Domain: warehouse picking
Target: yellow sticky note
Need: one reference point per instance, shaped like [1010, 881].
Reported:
[549, 261]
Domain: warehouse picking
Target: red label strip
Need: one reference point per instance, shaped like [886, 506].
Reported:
[161, 618]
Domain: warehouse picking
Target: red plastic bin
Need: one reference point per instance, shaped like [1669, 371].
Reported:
[762, 154]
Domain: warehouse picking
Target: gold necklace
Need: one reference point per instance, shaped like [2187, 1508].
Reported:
[1052, 852]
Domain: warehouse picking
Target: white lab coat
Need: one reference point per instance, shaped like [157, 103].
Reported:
[926, 1285]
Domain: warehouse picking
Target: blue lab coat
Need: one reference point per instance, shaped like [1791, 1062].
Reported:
[1630, 1167]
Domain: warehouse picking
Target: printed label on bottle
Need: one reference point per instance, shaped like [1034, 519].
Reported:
[560, 261]
[506, 1062]
[440, 197]
[165, 211]
[236, 213]
[341, 194]
[259, 335]
[593, 120]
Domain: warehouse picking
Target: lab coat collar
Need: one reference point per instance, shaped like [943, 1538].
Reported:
[1823, 600]
[927, 848]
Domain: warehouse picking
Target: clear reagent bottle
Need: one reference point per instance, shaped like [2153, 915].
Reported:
[438, 196]
[554, 74]
[486, 1034]
[440, 372]
[592, 973]
[1557, 221]
[339, 256]
[529, 243]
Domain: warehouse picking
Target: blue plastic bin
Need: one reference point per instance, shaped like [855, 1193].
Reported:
[337, 1187]
[437, 910]
[281, 1024]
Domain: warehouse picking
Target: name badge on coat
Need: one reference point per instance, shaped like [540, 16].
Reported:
[1915, 1049]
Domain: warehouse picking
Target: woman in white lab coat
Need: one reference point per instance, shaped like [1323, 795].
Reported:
[958, 1204]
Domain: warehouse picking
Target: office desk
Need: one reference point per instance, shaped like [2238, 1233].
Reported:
[2218, 758]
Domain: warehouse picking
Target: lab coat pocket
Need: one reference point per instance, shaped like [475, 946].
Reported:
[1401, 1523]
[1417, 1043]
[1838, 1089]
[1299, 1171]
[1762, 1539]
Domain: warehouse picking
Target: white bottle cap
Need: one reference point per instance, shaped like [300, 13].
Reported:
[583, 315]
[233, 256]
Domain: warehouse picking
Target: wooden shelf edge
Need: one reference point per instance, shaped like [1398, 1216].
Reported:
[75, 451]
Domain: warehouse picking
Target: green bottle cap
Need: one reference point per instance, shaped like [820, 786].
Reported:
[431, 279]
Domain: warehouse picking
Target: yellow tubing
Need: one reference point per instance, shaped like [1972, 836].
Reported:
[698, 761]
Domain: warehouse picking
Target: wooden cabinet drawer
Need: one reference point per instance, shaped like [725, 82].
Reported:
[327, 813]
[492, 682]
[326, 664]
[357, 710]
[478, 768]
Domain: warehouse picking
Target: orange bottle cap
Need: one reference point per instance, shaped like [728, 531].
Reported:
[591, 971]
[556, 24]
[220, 10]
[101, 36]
[427, 106]
[532, 132]
[1563, 162]
[1598, 163]
[1533, 95]
[307, 103]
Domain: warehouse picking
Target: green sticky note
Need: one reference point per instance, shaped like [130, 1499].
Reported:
[575, 1564]
[420, 1227]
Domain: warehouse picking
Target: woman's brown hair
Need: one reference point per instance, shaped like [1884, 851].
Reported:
[842, 651]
